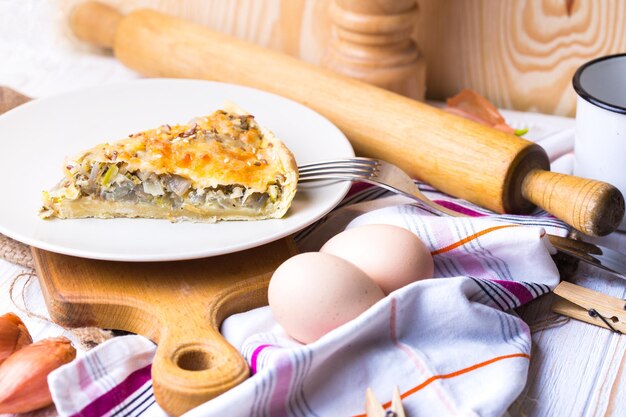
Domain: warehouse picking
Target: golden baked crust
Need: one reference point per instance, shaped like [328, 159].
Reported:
[223, 166]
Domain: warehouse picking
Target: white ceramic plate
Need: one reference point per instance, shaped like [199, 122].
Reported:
[36, 138]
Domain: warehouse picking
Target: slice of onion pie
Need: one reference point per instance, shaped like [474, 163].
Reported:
[220, 167]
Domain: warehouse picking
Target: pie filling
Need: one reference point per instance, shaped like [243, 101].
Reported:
[113, 182]
[222, 166]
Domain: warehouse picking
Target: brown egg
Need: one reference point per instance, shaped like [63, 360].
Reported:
[390, 255]
[313, 293]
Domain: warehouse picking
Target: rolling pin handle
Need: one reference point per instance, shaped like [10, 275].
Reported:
[593, 207]
[95, 23]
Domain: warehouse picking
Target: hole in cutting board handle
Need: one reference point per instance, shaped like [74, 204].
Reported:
[194, 358]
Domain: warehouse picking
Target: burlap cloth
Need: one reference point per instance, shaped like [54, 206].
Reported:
[15, 252]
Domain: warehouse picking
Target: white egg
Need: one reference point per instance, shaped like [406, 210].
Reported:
[390, 255]
[313, 293]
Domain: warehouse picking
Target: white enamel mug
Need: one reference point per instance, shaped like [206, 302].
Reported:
[600, 146]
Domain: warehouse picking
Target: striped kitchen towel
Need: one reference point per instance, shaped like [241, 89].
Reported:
[452, 344]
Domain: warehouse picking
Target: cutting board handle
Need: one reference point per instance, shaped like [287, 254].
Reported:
[194, 362]
[95, 23]
[193, 365]
[593, 207]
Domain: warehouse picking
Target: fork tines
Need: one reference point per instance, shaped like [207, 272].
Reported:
[349, 168]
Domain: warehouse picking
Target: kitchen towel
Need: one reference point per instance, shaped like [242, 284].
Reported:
[452, 344]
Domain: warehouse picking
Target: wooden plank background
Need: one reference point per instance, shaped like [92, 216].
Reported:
[521, 54]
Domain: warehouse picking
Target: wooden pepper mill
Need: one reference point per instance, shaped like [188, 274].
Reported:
[373, 43]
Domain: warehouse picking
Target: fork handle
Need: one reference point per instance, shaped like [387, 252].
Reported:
[593, 207]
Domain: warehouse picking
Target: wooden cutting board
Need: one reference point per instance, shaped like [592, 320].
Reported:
[177, 305]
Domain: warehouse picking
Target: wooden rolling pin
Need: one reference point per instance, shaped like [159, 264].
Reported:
[495, 170]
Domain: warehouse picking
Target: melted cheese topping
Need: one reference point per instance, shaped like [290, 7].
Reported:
[219, 149]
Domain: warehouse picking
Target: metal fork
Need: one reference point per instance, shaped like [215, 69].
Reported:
[373, 171]
[389, 176]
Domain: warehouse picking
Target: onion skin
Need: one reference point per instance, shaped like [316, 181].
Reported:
[24, 375]
[471, 105]
[13, 335]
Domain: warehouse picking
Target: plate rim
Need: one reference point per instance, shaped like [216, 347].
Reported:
[169, 257]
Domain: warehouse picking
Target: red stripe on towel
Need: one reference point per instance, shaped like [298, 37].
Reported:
[357, 187]
[255, 357]
[120, 393]
[517, 289]
[459, 208]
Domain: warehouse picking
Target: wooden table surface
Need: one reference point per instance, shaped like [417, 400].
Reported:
[576, 369]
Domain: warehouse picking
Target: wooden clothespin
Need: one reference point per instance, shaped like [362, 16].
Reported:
[590, 306]
[374, 409]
